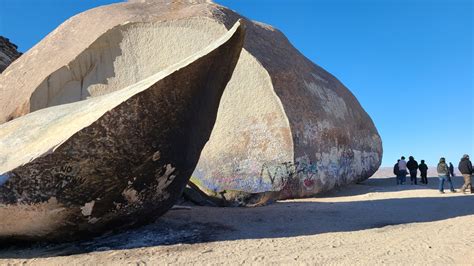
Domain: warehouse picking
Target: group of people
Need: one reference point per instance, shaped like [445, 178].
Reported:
[402, 168]
[445, 172]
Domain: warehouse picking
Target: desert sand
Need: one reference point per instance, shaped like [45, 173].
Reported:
[373, 222]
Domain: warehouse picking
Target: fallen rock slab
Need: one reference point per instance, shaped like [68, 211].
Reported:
[112, 161]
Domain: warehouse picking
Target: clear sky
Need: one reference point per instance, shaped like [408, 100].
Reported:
[409, 62]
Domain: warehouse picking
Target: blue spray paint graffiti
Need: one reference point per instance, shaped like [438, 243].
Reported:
[4, 178]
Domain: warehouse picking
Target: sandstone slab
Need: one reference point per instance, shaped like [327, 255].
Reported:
[116, 160]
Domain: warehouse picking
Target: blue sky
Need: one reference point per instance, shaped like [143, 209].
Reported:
[410, 63]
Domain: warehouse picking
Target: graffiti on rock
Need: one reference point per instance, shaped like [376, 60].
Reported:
[40, 184]
[4, 178]
[280, 175]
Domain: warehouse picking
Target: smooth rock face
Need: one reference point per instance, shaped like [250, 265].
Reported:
[113, 161]
[8, 53]
[285, 128]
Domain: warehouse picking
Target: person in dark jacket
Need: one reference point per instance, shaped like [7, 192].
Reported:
[465, 167]
[451, 171]
[412, 166]
[423, 172]
[396, 172]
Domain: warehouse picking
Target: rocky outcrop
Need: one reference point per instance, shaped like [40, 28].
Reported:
[114, 161]
[8, 53]
[285, 127]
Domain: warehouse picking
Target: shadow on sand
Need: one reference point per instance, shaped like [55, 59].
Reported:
[281, 219]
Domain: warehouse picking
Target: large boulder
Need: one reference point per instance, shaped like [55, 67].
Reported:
[8, 53]
[113, 161]
[285, 127]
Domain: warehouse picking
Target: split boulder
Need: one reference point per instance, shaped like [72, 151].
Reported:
[286, 128]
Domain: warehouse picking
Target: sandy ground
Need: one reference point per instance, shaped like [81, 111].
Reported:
[375, 222]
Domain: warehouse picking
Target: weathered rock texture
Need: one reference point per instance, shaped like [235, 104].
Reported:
[112, 161]
[285, 127]
[8, 53]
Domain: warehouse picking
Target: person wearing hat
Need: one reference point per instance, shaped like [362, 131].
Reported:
[465, 167]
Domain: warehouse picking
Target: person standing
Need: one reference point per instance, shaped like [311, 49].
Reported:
[451, 169]
[443, 173]
[402, 167]
[423, 172]
[396, 172]
[451, 172]
[412, 166]
[465, 167]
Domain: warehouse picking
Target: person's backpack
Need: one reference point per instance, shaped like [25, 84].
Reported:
[442, 169]
[396, 170]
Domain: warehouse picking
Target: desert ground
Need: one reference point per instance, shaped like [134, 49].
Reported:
[373, 222]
